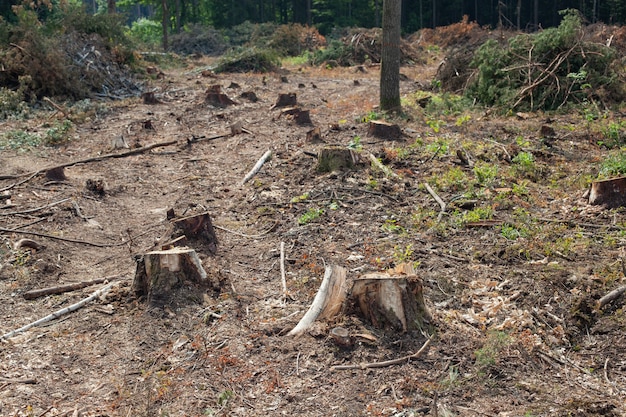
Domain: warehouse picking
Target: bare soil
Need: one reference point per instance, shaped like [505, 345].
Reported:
[516, 331]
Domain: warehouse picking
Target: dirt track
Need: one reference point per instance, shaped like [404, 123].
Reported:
[513, 336]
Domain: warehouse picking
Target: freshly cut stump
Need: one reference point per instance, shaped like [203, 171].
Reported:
[610, 193]
[384, 130]
[216, 98]
[285, 100]
[173, 277]
[335, 158]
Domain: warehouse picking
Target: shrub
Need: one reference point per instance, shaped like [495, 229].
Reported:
[147, 32]
[198, 39]
[249, 60]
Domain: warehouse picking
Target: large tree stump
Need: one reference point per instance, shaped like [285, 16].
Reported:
[215, 97]
[173, 277]
[285, 100]
[384, 130]
[610, 193]
[336, 158]
[196, 229]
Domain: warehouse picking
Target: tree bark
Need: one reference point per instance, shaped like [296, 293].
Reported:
[165, 24]
[111, 6]
[390, 56]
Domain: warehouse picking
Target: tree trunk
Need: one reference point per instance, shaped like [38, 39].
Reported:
[390, 56]
[111, 6]
[165, 24]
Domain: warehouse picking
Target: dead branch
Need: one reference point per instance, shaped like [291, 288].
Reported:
[438, 199]
[64, 239]
[384, 364]
[381, 167]
[95, 159]
[12, 213]
[18, 380]
[611, 296]
[60, 312]
[283, 275]
[267, 155]
[60, 289]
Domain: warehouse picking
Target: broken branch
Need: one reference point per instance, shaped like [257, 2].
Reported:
[384, 363]
[60, 289]
[257, 166]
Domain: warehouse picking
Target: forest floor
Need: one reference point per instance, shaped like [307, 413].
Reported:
[512, 270]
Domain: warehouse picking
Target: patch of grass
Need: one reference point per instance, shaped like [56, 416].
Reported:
[454, 179]
[300, 198]
[311, 215]
[355, 144]
[392, 226]
[614, 135]
[402, 254]
[439, 147]
[485, 173]
[19, 140]
[613, 165]
[372, 115]
[249, 60]
[488, 355]
[477, 214]
[512, 232]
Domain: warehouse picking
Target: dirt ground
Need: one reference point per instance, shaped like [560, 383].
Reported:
[515, 328]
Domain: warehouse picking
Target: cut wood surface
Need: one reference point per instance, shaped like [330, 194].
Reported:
[336, 158]
[384, 130]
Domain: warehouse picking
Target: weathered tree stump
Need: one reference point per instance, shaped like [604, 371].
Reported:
[610, 193]
[215, 97]
[336, 158]
[150, 98]
[173, 277]
[250, 96]
[384, 130]
[392, 300]
[285, 99]
[303, 118]
[197, 229]
[314, 136]
[56, 174]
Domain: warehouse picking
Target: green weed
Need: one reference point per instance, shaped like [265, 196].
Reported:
[311, 215]
[613, 165]
[485, 173]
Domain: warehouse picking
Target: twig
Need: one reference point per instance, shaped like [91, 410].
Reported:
[64, 239]
[384, 364]
[30, 177]
[56, 106]
[612, 296]
[576, 224]
[12, 213]
[383, 168]
[257, 166]
[438, 199]
[606, 373]
[283, 276]
[61, 312]
[27, 381]
[245, 235]
[60, 289]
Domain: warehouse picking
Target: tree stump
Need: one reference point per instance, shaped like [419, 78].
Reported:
[250, 96]
[172, 277]
[384, 130]
[303, 118]
[285, 99]
[197, 229]
[314, 136]
[610, 193]
[336, 158]
[215, 97]
[150, 98]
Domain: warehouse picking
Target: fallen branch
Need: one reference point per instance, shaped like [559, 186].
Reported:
[95, 159]
[381, 167]
[257, 167]
[438, 199]
[384, 363]
[60, 313]
[60, 289]
[35, 209]
[283, 275]
[612, 296]
[64, 239]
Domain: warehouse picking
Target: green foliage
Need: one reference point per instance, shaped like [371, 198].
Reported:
[249, 60]
[310, 215]
[300, 198]
[512, 232]
[505, 77]
[613, 165]
[12, 101]
[147, 32]
[485, 173]
[58, 133]
[355, 144]
[336, 52]
[614, 135]
[19, 140]
[488, 355]
[392, 226]
[477, 214]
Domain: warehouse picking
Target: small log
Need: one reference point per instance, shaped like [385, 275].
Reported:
[336, 158]
[384, 130]
[314, 136]
[169, 277]
[610, 193]
[285, 99]
[215, 97]
[267, 155]
[60, 289]
[394, 299]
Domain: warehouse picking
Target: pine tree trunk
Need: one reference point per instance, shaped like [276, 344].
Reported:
[390, 56]
[111, 6]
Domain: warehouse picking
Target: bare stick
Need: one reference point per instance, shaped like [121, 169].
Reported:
[64, 239]
[35, 209]
[383, 168]
[257, 167]
[282, 269]
[61, 312]
[384, 363]
[612, 296]
[438, 200]
[60, 289]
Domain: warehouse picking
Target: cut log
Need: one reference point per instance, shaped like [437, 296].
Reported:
[335, 158]
[394, 299]
[384, 130]
[610, 193]
[215, 97]
[285, 100]
[314, 136]
[173, 277]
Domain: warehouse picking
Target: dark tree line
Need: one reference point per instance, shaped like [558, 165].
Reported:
[327, 14]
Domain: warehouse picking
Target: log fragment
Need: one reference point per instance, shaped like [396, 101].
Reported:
[331, 159]
[215, 97]
[384, 130]
[285, 100]
[173, 277]
[611, 193]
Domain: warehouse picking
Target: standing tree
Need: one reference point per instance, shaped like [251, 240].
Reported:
[390, 56]
[111, 6]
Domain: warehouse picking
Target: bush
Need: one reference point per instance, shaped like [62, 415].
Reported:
[249, 60]
[545, 70]
[146, 32]
[198, 39]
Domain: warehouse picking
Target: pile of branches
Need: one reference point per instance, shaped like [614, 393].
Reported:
[546, 70]
[198, 39]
